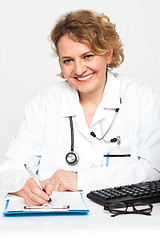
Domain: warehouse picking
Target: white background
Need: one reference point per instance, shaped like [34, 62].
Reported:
[26, 62]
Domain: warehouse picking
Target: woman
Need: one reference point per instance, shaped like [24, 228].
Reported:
[59, 135]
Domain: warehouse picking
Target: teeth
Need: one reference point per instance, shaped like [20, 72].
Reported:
[85, 78]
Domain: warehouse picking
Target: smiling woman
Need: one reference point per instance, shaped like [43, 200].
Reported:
[57, 137]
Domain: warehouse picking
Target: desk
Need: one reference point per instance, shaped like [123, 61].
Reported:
[97, 223]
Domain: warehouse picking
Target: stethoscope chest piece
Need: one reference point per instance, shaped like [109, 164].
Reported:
[72, 158]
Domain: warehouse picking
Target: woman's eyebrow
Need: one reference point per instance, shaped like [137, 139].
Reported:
[85, 53]
[65, 57]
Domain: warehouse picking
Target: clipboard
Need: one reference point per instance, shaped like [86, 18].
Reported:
[74, 204]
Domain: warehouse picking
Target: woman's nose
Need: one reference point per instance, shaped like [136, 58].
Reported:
[79, 68]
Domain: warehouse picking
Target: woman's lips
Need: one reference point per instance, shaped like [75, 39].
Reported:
[86, 78]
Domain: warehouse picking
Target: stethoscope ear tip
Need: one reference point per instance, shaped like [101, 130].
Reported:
[92, 134]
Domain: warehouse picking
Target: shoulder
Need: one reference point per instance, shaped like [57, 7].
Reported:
[135, 89]
[57, 90]
[52, 94]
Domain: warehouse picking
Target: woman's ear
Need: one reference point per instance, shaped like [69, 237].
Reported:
[109, 56]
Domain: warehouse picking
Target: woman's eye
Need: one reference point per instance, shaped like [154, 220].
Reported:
[88, 56]
[67, 61]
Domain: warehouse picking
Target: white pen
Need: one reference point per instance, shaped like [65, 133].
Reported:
[36, 180]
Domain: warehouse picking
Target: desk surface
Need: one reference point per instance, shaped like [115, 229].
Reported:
[96, 222]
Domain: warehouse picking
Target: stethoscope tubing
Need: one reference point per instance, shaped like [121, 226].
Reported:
[72, 133]
[72, 158]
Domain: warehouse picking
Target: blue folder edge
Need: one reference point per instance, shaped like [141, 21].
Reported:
[11, 213]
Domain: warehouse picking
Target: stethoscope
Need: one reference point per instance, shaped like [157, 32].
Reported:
[72, 158]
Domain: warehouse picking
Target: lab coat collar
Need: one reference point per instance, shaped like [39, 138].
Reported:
[111, 99]
[69, 101]
[111, 95]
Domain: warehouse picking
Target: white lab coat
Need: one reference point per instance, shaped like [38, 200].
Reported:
[44, 137]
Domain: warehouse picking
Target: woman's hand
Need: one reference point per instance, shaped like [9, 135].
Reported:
[33, 195]
[63, 180]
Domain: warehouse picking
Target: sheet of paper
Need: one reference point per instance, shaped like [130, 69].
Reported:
[73, 199]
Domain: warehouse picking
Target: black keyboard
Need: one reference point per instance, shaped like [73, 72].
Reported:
[148, 192]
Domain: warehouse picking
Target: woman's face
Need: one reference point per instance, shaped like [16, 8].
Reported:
[81, 67]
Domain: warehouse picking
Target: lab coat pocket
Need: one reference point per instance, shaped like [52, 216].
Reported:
[122, 155]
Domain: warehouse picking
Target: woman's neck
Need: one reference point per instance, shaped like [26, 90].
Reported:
[90, 102]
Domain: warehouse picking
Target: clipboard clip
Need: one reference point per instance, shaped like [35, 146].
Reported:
[47, 207]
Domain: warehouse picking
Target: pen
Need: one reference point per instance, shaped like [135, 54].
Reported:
[36, 180]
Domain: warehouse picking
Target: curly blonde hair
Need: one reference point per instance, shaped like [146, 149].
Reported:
[95, 30]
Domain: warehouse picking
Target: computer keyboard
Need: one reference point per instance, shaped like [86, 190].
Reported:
[148, 192]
